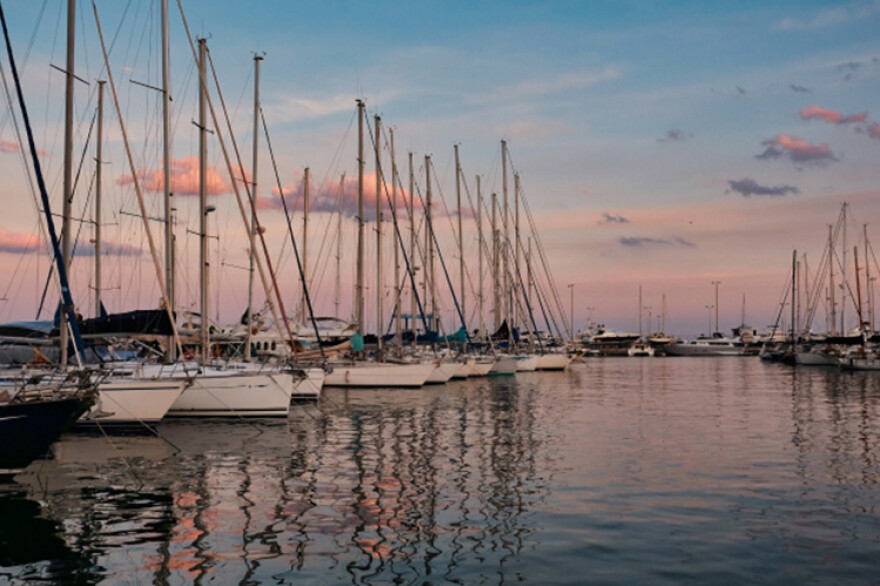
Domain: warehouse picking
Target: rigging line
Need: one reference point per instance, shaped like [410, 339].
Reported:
[159, 273]
[246, 218]
[56, 245]
[545, 263]
[21, 151]
[399, 243]
[316, 281]
[292, 240]
[85, 207]
[281, 258]
[433, 234]
[27, 54]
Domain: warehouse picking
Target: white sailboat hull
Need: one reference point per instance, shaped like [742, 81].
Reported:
[552, 362]
[464, 369]
[235, 394]
[504, 366]
[481, 368]
[310, 386]
[378, 375]
[526, 363]
[442, 373]
[136, 401]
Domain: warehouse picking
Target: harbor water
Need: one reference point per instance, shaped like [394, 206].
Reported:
[617, 471]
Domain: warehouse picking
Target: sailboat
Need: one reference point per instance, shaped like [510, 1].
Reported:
[231, 390]
[361, 373]
[35, 413]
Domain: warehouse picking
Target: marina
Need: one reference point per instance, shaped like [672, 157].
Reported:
[363, 293]
[615, 471]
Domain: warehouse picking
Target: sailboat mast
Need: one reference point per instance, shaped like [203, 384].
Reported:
[99, 160]
[397, 322]
[305, 244]
[496, 262]
[339, 243]
[663, 319]
[506, 243]
[429, 243]
[858, 289]
[480, 251]
[171, 352]
[253, 191]
[412, 246]
[640, 313]
[359, 288]
[843, 276]
[793, 296]
[868, 283]
[68, 167]
[529, 280]
[380, 317]
[203, 206]
[461, 296]
[516, 251]
[832, 301]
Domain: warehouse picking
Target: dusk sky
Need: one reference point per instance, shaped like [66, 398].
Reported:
[665, 145]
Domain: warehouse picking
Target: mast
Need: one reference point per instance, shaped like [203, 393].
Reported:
[640, 313]
[339, 242]
[359, 288]
[496, 261]
[412, 248]
[868, 286]
[529, 281]
[305, 245]
[171, 352]
[480, 252]
[66, 303]
[429, 243]
[68, 167]
[843, 276]
[461, 295]
[99, 160]
[831, 297]
[858, 290]
[516, 247]
[203, 208]
[253, 226]
[398, 325]
[663, 319]
[380, 317]
[506, 244]
[793, 296]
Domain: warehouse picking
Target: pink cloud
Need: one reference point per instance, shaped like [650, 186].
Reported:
[184, 178]
[18, 243]
[796, 149]
[325, 198]
[8, 147]
[874, 130]
[831, 116]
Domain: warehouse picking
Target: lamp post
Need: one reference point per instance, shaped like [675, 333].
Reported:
[716, 283]
[710, 308]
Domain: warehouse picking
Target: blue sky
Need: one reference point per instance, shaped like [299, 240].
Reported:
[659, 144]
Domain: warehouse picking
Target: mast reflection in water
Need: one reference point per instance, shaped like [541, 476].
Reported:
[619, 471]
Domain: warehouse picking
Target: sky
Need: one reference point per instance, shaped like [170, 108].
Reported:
[660, 146]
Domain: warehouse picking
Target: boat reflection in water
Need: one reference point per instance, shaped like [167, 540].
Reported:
[695, 470]
[367, 486]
